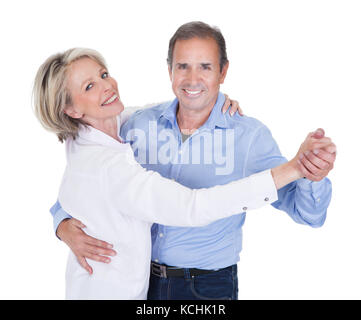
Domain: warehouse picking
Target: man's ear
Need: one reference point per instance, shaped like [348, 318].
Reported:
[224, 72]
[170, 72]
[72, 112]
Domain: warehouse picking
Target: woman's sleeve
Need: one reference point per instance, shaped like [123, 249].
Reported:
[146, 195]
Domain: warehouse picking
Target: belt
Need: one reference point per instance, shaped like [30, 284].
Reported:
[164, 271]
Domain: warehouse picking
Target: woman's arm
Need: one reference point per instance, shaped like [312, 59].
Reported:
[150, 197]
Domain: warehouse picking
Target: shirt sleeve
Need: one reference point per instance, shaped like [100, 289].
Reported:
[305, 201]
[146, 195]
[58, 214]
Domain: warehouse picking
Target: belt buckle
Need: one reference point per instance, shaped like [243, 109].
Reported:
[159, 270]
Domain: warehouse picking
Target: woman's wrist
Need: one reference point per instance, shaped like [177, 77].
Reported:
[286, 173]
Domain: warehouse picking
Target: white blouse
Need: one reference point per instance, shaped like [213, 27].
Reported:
[118, 200]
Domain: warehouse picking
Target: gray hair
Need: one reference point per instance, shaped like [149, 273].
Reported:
[50, 94]
[198, 29]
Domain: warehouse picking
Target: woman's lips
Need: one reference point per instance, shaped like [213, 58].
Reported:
[110, 100]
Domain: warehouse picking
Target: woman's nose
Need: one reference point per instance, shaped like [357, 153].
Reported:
[107, 85]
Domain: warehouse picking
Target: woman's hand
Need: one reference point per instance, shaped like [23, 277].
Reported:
[232, 105]
[83, 246]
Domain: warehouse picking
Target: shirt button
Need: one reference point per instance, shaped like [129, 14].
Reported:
[156, 260]
[245, 208]
[318, 199]
[161, 235]
[266, 199]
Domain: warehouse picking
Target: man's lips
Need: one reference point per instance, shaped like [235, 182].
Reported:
[192, 93]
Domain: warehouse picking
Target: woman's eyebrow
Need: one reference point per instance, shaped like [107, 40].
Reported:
[90, 78]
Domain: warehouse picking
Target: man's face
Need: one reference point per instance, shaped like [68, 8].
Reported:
[195, 73]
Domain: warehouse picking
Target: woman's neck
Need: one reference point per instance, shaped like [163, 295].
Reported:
[109, 126]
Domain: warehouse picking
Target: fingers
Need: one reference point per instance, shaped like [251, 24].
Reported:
[226, 104]
[99, 243]
[313, 143]
[95, 249]
[96, 257]
[313, 167]
[235, 108]
[99, 251]
[316, 161]
[82, 261]
[306, 173]
[331, 148]
[318, 134]
[324, 155]
[232, 105]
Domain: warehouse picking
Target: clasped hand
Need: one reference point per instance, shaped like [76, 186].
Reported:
[316, 156]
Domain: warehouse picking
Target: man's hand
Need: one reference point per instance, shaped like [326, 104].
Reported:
[232, 105]
[317, 162]
[83, 246]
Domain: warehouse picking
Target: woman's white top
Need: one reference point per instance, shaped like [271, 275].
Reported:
[118, 200]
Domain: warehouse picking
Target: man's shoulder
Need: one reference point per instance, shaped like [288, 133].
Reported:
[244, 122]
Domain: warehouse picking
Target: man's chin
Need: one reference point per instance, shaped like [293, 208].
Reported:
[192, 103]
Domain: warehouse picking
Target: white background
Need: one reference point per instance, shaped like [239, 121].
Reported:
[295, 65]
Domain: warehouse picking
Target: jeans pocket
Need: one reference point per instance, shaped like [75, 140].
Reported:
[212, 286]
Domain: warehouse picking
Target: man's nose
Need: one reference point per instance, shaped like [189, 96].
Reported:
[193, 76]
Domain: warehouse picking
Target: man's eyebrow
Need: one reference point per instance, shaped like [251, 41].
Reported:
[206, 64]
[181, 64]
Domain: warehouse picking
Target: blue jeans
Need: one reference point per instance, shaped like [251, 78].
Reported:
[218, 285]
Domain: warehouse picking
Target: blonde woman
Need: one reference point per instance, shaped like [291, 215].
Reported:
[105, 188]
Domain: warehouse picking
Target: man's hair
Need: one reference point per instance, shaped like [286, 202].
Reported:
[198, 29]
[51, 95]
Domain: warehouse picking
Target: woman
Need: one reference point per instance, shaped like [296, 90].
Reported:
[117, 199]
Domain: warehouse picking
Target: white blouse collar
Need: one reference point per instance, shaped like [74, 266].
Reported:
[90, 135]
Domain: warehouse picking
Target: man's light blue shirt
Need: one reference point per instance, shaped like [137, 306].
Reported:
[223, 149]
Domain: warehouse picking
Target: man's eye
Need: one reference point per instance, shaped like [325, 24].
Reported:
[89, 86]
[105, 75]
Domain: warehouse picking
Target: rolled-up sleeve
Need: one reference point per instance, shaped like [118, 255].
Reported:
[305, 201]
[58, 214]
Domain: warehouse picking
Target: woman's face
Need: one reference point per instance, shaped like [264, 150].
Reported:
[94, 93]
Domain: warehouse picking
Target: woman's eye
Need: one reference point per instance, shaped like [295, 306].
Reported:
[105, 75]
[89, 86]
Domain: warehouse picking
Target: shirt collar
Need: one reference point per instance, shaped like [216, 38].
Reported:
[215, 119]
[90, 135]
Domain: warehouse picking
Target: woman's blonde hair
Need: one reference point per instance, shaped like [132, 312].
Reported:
[50, 94]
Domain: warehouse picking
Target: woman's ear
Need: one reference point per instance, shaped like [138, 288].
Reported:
[72, 112]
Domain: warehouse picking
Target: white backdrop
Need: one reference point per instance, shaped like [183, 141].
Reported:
[295, 65]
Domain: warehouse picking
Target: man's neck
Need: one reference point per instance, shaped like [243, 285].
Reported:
[190, 120]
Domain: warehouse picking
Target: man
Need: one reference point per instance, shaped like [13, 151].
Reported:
[191, 141]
